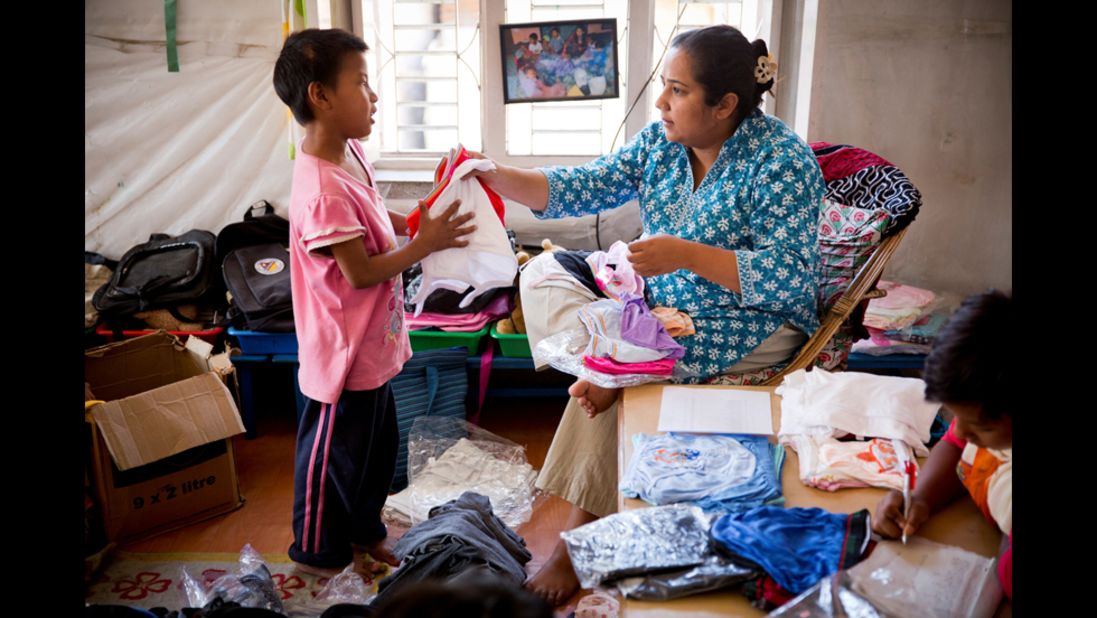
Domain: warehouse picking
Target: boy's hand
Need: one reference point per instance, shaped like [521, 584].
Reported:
[889, 522]
[443, 231]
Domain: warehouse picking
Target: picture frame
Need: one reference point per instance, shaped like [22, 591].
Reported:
[573, 60]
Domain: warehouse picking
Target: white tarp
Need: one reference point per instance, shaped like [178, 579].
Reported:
[170, 152]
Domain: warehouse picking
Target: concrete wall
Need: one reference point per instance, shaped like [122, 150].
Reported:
[928, 86]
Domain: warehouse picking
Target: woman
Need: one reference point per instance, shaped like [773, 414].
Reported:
[729, 202]
[577, 43]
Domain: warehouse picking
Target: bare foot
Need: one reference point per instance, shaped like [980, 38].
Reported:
[317, 571]
[556, 581]
[379, 554]
[592, 397]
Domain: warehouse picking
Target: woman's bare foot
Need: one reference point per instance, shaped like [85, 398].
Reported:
[556, 581]
[592, 397]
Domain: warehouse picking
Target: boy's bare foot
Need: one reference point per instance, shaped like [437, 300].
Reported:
[592, 397]
[379, 555]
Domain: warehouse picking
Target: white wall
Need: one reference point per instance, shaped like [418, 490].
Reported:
[928, 86]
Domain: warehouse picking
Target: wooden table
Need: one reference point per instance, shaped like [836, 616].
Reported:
[961, 524]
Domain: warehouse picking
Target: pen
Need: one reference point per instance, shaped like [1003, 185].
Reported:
[910, 473]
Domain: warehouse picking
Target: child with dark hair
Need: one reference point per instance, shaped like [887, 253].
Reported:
[969, 371]
[555, 43]
[347, 302]
[535, 44]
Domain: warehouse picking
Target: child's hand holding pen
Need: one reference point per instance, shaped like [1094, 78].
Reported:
[892, 520]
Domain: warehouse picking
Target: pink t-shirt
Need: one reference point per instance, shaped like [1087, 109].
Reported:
[347, 339]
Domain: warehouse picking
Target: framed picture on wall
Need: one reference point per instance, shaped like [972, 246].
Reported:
[560, 60]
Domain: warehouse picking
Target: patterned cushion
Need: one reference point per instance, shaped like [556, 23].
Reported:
[832, 357]
[867, 198]
[847, 237]
[861, 178]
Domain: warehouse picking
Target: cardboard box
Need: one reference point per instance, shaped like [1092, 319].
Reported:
[161, 448]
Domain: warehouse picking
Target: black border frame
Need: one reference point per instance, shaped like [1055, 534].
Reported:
[504, 31]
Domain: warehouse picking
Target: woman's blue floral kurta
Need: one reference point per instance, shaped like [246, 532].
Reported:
[760, 199]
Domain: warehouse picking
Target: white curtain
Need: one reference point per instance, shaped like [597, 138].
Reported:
[169, 152]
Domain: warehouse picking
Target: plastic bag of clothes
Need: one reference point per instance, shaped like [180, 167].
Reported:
[714, 573]
[636, 542]
[564, 351]
[251, 585]
[448, 456]
[832, 597]
[347, 593]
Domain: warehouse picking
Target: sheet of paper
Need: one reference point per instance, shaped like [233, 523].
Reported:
[708, 410]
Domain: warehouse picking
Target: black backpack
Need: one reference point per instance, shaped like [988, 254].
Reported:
[254, 262]
[164, 272]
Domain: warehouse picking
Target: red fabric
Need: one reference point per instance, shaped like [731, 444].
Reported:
[773, 593]
[460, 157]
[845, 161]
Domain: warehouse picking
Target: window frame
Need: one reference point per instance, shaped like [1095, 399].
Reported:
[639, 53]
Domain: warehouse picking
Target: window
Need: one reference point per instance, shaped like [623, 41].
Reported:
[435, 64]
[426, 67]
[567, 127]
[674, 16]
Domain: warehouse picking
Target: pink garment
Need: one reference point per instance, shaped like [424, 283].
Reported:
[678, 324]
[951, 437]
[903, 306]
[880, 344]
[500, 307]
[347, 338]
[900, 296]
[663, 367]
[828, 464]
[613, 272]
[466, 323]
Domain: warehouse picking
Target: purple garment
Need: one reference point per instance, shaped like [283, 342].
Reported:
[639, 327]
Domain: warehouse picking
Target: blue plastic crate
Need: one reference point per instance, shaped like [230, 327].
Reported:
[255, 342]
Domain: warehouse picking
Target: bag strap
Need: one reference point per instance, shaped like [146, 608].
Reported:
[263, 205]
[212, 322]
[485, 373]
[90, 257]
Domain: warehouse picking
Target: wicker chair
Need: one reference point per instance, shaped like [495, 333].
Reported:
[861, 288]
[858, 179]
